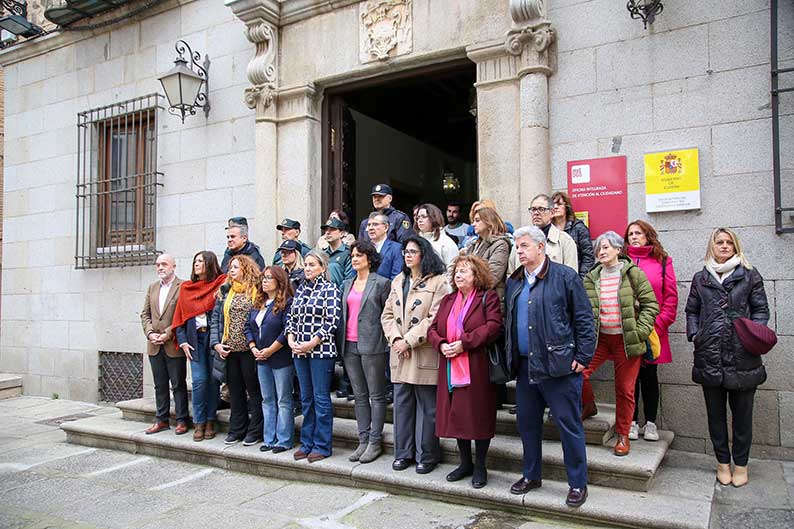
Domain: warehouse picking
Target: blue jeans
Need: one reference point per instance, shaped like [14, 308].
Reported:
[279, 423]
[314, 375]
[205, 388]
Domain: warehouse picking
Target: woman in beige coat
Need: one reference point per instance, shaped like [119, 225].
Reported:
[410, 309]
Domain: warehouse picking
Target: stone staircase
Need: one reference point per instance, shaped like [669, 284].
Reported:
[10, 386]
[624, 491]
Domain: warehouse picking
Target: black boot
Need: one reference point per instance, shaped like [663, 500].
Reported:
[465, 469]
[480, 477]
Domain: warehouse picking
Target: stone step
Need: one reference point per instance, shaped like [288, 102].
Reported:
[10, 386]
[598, 430]
[667, 505]
[633, 472]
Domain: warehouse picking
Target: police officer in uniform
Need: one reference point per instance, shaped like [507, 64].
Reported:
[290, 231]
[399, 222]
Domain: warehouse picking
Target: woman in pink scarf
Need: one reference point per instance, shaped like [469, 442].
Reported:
[467, 320]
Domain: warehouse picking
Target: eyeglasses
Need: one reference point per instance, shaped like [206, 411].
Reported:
[422, 216]
[412, 253]
[267, 278]
[538, 210]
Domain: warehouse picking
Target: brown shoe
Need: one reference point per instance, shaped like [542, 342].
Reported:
[209, 430]
[198, 433]
[313, 457]
[181, 427]
[299, 454]
[589, 409]
[623, 446]
[158, 426]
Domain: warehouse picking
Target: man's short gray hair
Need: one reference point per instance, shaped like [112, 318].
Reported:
[242, 227]
[544, 196]
[533, 232]
[614, 240]
[379, 217]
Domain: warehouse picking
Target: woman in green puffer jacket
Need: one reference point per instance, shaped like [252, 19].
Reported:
[625, 309]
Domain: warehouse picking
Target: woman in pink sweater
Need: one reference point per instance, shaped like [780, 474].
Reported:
[644, 248]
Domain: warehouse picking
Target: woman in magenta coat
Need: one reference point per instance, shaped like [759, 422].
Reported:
[644, 248]
[467, 320]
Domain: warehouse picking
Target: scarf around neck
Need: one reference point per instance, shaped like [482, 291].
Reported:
[458, 369]
[195, 297]
[721, 272]
[236, 288]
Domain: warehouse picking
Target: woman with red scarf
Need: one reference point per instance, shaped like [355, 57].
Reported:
[468, 320]
[192, 322]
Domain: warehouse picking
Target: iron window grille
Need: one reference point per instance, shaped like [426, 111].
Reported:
[782, 225]
[117, 181]
[120, 376]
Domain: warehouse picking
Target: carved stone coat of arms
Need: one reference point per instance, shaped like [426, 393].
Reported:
[386, 29]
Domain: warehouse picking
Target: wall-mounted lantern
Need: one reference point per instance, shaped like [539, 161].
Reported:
[645, 10]
[183, 83]
[17, 22]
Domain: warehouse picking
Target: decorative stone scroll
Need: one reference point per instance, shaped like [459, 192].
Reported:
[530, 37]
[386, 29]
[262, 70]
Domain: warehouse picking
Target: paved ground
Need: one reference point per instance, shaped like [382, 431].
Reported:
[47, 483]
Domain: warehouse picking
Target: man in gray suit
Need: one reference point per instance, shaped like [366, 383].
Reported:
[167, 360]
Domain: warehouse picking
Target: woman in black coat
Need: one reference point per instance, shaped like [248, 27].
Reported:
[564, 218]
[728, 287]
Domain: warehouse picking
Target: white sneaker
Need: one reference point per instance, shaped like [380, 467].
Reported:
[634, 431]
[650, 433]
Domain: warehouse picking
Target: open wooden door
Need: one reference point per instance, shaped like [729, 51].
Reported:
[339, 138]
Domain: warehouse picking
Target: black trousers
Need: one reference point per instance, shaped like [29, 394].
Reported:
[647, 390]
[741, 403]
[173, 371]
[245, 395]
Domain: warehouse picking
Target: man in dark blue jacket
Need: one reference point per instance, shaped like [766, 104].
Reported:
[237, 243]
[551, 338]
[391, 256]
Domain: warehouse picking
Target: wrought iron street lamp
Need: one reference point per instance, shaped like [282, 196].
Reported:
[17, 22]
[645, 10]
[184, 82]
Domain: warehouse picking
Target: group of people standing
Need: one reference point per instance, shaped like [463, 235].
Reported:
[418, 308]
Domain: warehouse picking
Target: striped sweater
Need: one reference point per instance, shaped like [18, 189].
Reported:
[609, 313]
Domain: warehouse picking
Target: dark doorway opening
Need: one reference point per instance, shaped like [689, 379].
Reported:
[415, 131]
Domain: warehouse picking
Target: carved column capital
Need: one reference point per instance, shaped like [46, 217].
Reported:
[530, 37]
[262, 70]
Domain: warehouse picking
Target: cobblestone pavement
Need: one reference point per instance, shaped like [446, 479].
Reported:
[47, 483]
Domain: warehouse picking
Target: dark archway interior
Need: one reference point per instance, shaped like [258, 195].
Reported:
[409, 132]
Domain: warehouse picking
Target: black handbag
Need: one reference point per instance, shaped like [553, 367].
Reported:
[499, 369]
[218, 368]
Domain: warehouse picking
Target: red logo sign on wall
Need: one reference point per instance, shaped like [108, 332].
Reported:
[597, 189]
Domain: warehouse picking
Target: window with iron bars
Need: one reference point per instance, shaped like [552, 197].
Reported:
[117, 182]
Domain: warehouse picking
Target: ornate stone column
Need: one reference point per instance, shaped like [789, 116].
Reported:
[529, 42]
[512, 114]
[261, 20]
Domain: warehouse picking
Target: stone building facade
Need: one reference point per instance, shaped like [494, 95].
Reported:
[555, 81]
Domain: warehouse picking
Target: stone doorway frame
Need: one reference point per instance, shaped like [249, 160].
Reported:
[512, 100]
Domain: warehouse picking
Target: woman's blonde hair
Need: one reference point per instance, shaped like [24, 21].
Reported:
[736, 246]
[249, 271]
[492, 221]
